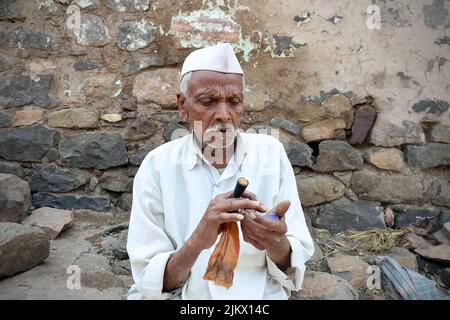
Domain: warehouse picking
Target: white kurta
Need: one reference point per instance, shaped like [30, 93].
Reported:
[171, 192]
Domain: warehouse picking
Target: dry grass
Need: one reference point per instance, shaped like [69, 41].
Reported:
[375, 240]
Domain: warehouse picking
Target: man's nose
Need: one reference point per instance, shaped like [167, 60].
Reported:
[222, 113]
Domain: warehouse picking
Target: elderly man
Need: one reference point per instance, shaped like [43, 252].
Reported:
[182, 195]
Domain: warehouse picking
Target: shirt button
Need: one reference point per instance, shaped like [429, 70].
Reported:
[218, 185]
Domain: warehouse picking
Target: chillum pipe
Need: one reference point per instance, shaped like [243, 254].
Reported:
[240, 187]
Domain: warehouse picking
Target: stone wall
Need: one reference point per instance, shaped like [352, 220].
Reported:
[87, 89]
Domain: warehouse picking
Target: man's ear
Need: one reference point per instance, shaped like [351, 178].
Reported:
[181, 102]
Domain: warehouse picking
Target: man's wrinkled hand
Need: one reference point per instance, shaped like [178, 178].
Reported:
[264, 233]
[222, 209]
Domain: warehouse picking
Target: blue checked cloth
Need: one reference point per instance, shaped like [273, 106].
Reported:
[409, 284]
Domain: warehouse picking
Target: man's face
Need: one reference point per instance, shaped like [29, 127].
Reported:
[215, 100]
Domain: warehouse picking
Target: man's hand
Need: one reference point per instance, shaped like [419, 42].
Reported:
[223, 208]
[264, 233]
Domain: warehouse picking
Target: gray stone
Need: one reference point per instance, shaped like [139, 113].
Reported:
[440, 133]
[26, 38]
[125, 201]
[436, 107]
[10, 9]
[442, 236]
[51, 221]
[93, 31]
[128, 5]
[443, 40]
[85, 65]
[134, 35]
[140, 129]
[40, 90]
[438, 193]
[404, 258]
[102, 86]
[21, 248]
[70, 201]
[318, 189]
[50, 178]
[52, 155]
[16, 91]
[137, 158]
[389, 135]
[386, 159]
[299, 153]
[324, 286]
[122, 267]
[143, 62]
[157, 86]
[356, 216]
[11, 168]
[99, 150]
[415, 217]
[120, 251]
[440, 253]
[88, 4]
[28, 143]
[323, 130]
[174, 131]
[386, 189]
[5, 119]
[428, 156]
[337, 156]
[116, 182]
[435, 14]
[445, 277]
[167, 117]
[129, 115]
[292, 127]
[15, 198]
[78, 118]
[350, 268]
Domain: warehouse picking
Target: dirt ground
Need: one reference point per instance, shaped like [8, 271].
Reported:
[79, 247]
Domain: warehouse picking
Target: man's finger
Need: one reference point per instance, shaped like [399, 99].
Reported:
[247, 195]
[233, 204]
[281, 208]
[270, 225]
[224, 217]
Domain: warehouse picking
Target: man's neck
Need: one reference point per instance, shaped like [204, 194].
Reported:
[219, 157]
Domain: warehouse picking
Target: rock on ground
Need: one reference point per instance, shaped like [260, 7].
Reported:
[21, 248]
[324, 286]
[15, 198]
[51, 221]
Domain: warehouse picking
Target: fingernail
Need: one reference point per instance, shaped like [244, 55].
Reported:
[252, 215]
[240, 217]
[264, 208]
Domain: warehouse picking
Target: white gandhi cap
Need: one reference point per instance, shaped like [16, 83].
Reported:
[220, 58]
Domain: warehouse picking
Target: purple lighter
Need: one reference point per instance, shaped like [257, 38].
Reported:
[272, 216]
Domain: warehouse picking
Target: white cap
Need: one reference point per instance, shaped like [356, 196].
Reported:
[220, 58]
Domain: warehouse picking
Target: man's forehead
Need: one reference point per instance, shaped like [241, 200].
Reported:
[210, 80]
[208, 75]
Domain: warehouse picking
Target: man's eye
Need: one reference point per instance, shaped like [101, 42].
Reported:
[207, 102]
[234, 102]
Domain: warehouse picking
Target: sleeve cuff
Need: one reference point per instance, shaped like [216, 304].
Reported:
[292, 278]
[152, 281]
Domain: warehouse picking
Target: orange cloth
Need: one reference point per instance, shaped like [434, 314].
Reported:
[224, 259]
